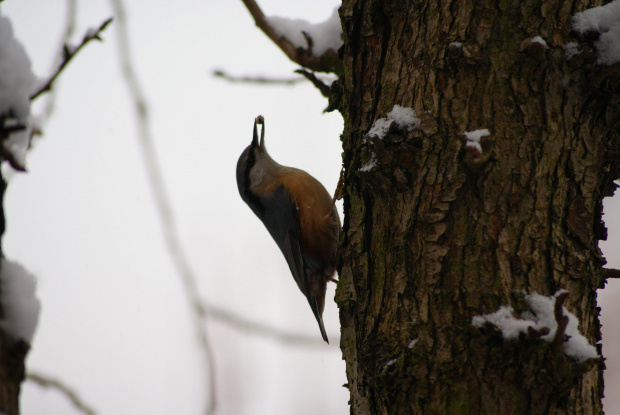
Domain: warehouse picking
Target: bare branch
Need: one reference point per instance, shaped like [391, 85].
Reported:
[256, 79]
[252, 327]
[68, 54]
[322, 86]
[163, 204]
[328, 62]
[611, 273]
[64, 40]
[310, 76]
[48, 382]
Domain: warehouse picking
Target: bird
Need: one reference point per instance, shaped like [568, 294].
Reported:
[299, 214]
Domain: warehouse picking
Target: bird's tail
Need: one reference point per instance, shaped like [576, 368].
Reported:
[322, 328]
[317, 310]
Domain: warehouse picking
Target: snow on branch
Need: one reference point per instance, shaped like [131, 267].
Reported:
[313, 46]
[68, 53]
[17, 83]
[605, 20]
[19, 302]
[318, 38]
[549, 319]
[16, 77]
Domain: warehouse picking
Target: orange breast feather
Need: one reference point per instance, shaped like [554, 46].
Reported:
[315, 212]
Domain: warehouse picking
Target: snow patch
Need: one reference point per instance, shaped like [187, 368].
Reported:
[404, 117]
[571, 49]
[21, 306]
[325, 35]
[605, 20]
[388, 364]
[541, 315]
[16, 83]
[16, 77]
[370, 164]
[412, 343]
[540, 41]
[473, 138]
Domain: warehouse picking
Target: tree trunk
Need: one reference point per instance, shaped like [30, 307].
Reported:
[436, 232]
[12, 352]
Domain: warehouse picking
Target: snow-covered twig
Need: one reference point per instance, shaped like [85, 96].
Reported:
[48, 382]
[68, 54]
[303, 57]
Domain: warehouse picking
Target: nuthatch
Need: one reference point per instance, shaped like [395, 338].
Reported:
[298, 213]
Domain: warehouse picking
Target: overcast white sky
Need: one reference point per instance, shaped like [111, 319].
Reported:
[115, 324]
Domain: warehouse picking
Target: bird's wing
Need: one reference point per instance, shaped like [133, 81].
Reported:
[281, 218]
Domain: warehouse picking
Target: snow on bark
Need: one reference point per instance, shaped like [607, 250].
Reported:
[540, 315]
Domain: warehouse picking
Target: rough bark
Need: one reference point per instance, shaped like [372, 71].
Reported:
[437, 233]
[12, 353]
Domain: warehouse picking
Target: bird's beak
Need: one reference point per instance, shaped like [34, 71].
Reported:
[255, 137]
[259, 120]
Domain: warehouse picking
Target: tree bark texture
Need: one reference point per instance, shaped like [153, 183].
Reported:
[436, 233]
[12, 352]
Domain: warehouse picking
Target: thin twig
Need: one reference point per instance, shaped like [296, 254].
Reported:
[322, 86]
[68, 54]
[262, 80]
[163, 204]
[64, 40]
[303, 57]
[256, 79]
[260, 329]
[69, 393]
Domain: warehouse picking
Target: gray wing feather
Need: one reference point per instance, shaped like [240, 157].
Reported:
[281, 218]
